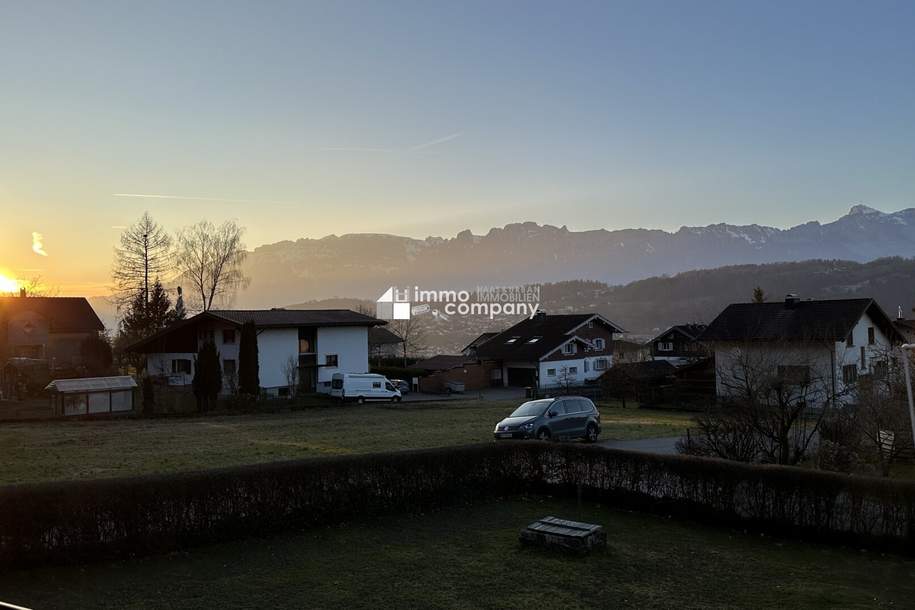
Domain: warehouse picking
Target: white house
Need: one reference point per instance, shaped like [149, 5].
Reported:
[317, 343]
[823, 345]
[548, 351]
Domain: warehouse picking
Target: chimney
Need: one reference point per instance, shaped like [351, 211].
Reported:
[22, 293]
[791, 299]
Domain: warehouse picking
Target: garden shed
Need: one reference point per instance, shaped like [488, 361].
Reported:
[92, 395]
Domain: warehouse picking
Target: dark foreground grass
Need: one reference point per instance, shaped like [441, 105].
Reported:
[470, 558]
[58, 450]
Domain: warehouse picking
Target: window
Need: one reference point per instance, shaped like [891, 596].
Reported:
[181, 366]
[306, 340]
[586, 366]
[600, 364]
[881, 369]
[551, 372]
[590, 323]
[850, 340]
[794, 374]
[569, 348]
[228, 336]
[599, 343]
[534, 339]
[573, 370]
[871, 336]
[849, 374]
[330, 360]
[229, 368]
[376, 385]
[512, 340]
[863, 359]
[665, 346]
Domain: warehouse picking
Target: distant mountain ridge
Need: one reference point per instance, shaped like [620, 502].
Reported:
[361, 265]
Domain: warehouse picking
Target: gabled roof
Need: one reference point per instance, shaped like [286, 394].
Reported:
[378, 335]
[266, 318]
[443, 362]
[690, 331]
[825, 320]
[483, 338]
[550, 331]
[64, 314]
[281, 318]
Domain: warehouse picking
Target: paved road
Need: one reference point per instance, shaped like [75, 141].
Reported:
[666, 445]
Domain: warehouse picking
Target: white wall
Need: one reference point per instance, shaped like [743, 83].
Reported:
[350, 344]
[274, 347]
[161, 364]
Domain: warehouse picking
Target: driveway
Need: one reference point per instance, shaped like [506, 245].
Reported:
[665, 445]
[485, 394]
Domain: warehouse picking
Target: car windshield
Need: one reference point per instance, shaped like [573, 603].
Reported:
[534, 407]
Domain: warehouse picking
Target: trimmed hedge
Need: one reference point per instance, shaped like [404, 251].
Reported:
[109, 518]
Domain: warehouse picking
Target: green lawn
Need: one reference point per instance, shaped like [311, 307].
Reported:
[470, 558]
[46, 451]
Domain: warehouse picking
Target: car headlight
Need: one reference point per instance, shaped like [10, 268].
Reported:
[528, 426]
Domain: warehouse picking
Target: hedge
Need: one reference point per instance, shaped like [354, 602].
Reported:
[79, 521]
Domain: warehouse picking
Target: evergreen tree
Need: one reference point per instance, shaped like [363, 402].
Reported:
[248, 371]
[95, 352]
[149, 395]
[207, 376]
[758, 295]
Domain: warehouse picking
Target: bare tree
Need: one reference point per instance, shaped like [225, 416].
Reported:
[775, 398]
[412, 332]
[565, 379]
[144, 254]
[209, 259]
[291, 373]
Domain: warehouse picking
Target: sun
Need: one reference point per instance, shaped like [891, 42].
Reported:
[8, 285]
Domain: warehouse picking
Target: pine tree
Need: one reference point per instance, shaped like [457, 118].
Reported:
[207, 376]
[758, 295]
[248, 370]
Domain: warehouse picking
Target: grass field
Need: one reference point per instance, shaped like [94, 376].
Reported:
[470, 558]
[47, 451]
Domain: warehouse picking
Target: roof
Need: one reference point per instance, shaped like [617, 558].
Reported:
[622, 345]
[64, 314]
[649, 369]
[824, 320]
[549, 330]
[483, 338]
[280, 318]
[443, 362]
[91, 384]
[268, 318]
[690, 331]
[378, 335]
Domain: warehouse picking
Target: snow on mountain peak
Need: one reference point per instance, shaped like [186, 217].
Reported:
[862, 209]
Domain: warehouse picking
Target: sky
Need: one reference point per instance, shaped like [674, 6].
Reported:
[304, 119]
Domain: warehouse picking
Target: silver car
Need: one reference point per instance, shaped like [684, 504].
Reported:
[552, 418]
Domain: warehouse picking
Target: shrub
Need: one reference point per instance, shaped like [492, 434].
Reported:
[86, 520]
[149, 396]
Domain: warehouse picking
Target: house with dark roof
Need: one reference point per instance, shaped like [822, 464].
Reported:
[824, 345]
[49, 329]
[550, 350]
[471, 348]
[320, 343]
[679, 344]
[383, 343]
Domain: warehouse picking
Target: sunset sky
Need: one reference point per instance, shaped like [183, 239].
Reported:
[304, 119]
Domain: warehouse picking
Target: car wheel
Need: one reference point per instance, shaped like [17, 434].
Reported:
[543, 434]
[591, 433]
[361, 400]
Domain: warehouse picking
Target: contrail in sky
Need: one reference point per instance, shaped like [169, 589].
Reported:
[38, 244]
[415, 148]
[190, 198]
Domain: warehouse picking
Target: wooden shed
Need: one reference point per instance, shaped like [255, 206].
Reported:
[92, 395]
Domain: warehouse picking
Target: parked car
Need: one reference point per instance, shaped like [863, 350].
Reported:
[401, 385]
[454, 387]
[363, 387]
[564, 417]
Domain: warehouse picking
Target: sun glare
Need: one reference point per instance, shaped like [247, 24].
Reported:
[8, 285]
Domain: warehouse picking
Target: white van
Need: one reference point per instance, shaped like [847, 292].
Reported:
[362, 387]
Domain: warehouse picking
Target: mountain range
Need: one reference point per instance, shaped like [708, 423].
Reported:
[364, 265]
